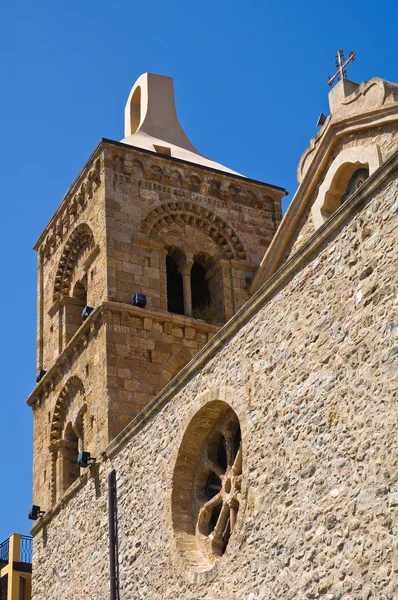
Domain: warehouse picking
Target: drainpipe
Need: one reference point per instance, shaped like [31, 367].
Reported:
[112, 533]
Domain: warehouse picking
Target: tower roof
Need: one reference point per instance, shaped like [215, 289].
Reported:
[151, 122]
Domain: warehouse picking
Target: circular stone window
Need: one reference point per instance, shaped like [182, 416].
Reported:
[207, 485]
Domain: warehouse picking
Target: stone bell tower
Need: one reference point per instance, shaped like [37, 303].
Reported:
[148, 215]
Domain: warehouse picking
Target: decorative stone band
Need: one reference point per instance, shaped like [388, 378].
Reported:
[198, 216]
[270, 287]
[90, 329]
[121, 160]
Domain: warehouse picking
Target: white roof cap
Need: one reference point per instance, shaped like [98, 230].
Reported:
[151, 122]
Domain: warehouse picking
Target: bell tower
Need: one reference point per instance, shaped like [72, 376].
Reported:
[151, 216]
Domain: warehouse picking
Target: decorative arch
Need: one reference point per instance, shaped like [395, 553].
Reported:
[198, 216]
[80, 240]
[73, 386]
[337, 177]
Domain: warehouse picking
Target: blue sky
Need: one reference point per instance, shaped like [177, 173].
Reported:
[250, 81]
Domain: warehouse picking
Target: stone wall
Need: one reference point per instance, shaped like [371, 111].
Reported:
[312, 377]
[107, 241]
[156, 207]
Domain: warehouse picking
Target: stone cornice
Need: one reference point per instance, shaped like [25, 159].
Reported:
[256, 302]
[172, 159]
[334, 131]
[90, 328]
[88, 175]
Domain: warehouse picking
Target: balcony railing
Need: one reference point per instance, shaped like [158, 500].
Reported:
[4, 551]
[25, 550]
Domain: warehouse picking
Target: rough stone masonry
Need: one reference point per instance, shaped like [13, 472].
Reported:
[267, 468]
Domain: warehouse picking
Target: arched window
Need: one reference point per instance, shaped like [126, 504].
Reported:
[200, 288]
[70, 451]
[347, 172]
[208, 487]
[175, 295]
[73, 308]
[357, 179]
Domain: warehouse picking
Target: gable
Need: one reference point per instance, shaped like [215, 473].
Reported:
[360, 134]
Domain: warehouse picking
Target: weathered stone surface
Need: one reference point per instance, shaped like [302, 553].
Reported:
[312, 377]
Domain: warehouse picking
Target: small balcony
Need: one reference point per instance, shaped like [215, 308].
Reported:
[16, 567]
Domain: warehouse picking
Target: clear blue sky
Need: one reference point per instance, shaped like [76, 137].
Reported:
[250, 81]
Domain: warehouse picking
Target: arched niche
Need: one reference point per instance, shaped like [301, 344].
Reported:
[135, 109]
[338, 176]
[80, 242]
[206, 289]
[175, 260]
[67, 436]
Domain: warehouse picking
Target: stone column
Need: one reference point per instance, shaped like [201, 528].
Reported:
[186, 283]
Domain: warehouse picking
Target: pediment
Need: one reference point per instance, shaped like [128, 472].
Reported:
[361, 131]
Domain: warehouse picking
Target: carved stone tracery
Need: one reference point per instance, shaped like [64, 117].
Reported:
[208, 486]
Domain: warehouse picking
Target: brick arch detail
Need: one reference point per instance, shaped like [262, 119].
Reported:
[195, 215]
[73, 386]
[80, 240]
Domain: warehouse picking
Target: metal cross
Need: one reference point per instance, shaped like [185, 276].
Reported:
[341, 63]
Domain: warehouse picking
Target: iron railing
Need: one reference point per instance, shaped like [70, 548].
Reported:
[26, 549]
[4, 551]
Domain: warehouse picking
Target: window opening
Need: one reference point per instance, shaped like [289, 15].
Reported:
[200, 287]
[213, 486]
[71, 469]
[357, 179]
[175, 294]
[3, 587]
[22, 588]
[209, 490]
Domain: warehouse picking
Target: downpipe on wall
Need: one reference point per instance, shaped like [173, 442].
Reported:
[113, 578]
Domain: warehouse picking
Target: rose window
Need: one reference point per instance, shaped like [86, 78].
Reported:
[207, 485]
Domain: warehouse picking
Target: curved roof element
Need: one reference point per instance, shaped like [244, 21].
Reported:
[151, 122]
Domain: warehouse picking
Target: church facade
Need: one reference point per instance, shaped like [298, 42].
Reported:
[234, 375]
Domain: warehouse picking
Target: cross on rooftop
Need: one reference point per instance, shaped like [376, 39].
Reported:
[341, 63]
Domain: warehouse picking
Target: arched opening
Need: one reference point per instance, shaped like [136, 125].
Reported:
[73, 308]
[175, 294]
[346, 173]
[80, 292]
[208, 487]
[356, 181]
[71, 470]
[135, 110]
[343, 181]
[200, 288]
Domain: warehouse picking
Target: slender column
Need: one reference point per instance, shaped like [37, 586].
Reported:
[186, 283]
